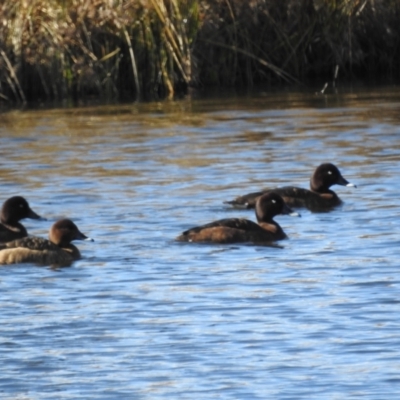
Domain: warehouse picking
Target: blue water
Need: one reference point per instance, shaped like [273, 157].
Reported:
[144, 317]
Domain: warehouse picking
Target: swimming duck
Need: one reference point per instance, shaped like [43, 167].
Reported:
[319, 199]
[236, 230]
[58, 250]
[13, 210]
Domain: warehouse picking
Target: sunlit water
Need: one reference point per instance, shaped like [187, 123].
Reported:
[144, 317]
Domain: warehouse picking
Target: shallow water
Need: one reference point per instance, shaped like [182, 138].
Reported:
[144, 317]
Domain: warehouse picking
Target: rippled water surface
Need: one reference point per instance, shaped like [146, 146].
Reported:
[144, 317]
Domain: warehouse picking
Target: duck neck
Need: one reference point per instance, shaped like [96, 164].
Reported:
[15, 227]
[265, 219]
[319, 187]
[73, 250]
[273, 227]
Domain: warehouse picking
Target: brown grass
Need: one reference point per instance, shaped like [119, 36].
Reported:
[146, 49]
[58, 49]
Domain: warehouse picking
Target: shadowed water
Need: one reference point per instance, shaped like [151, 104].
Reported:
[144, 317]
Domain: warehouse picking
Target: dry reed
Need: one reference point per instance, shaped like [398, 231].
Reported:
[59, 49]
[146, 49]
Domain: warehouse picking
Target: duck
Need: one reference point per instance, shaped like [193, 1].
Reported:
[13, 210]
[320, 198]
[57, 251]
[240, 230]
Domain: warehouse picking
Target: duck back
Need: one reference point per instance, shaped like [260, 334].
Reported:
[234, 230]
[38, 251]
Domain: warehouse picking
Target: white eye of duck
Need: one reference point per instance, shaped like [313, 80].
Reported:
[273, 201]
[329, 172]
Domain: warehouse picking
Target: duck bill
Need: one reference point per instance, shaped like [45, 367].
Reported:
[288, 211]
[33, 215]
[81, 236]
[343, 182]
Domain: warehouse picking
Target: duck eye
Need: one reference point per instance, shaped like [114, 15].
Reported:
[273, 201]
[329, 172]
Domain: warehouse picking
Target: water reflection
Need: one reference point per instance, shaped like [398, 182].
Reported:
[143, 316]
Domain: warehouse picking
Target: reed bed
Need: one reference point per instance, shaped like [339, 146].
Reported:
[147, 49]
[271, 41]
[62, 49]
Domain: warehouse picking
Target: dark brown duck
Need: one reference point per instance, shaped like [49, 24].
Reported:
[319, 199]
[13, 210]
[236, 230]
[57, 251]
